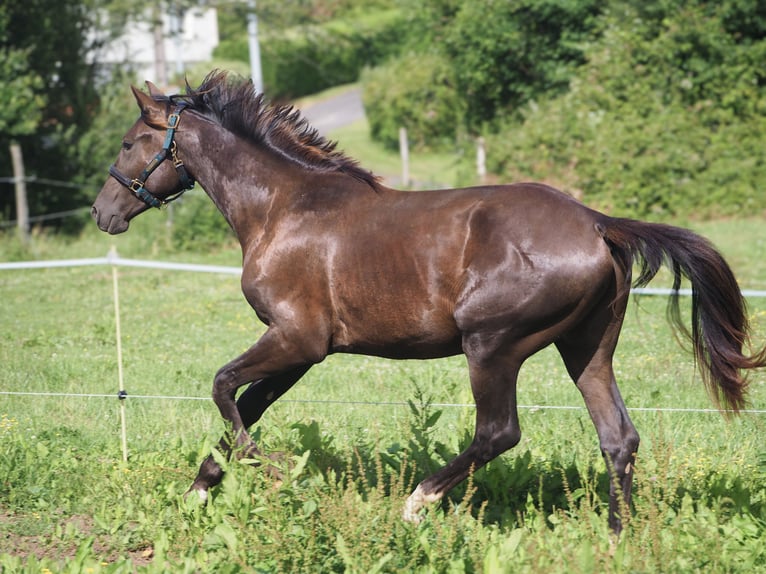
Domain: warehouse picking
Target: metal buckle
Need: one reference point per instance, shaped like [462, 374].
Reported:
[136, 185]
[173, 120]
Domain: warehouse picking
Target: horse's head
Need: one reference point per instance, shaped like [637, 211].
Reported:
[130, 190]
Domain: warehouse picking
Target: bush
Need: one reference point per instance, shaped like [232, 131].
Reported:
[661, 122]
[198, 225]
[505, 54]
[416, 91]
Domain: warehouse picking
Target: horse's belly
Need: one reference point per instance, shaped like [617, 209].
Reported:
[399, 333]
[403, 349]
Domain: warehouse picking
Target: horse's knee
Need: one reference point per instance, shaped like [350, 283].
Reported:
[492, 444]
[224, 386]
[508, 438]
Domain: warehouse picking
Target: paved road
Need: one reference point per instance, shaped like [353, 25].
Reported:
[338, 111]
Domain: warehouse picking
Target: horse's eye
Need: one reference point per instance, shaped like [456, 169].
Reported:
[127, 145]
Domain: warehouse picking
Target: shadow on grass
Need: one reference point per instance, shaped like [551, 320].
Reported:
[510, 486]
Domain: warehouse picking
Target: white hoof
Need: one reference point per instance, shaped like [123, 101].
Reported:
[415, 503]
[201, 495]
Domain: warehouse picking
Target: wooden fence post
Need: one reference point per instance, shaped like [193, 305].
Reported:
[22, 206]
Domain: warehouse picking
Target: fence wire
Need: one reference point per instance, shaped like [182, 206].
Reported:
[115, 260]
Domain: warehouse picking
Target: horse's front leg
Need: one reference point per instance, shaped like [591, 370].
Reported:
[251, 405]
[273, 365]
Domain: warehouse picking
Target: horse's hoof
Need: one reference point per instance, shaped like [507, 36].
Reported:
[201, 495]
[415, 503]
[411, 515]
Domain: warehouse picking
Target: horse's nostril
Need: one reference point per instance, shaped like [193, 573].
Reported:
[94, 212]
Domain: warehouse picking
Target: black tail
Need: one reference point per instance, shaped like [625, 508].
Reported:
[719, 320]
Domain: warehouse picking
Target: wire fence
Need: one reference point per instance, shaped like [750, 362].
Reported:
[114, 260]
[8, 223]
[375, 403]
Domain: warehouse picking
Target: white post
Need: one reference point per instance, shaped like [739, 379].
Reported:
[160, 61]
[176, 31]
[255, 49]
[481, 159]
[404, 151]
[118, 335]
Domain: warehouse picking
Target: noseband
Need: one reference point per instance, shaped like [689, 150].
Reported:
[138, 185]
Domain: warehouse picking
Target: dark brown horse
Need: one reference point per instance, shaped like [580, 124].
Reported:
[334, 261]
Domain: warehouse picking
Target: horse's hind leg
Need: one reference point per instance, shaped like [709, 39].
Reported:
[493, 382]
[251, 405]
[587, 352]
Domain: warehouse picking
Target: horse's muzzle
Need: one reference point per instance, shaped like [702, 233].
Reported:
[112, 225]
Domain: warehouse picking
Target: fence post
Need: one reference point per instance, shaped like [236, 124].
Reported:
[404, 151]
[121, 395]
[481, 159]
[22, 206]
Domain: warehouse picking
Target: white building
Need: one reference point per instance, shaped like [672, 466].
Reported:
[179, 49]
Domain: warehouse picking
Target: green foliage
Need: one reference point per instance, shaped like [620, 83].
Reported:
[310, 58]
[645, 110]
[198, 225]
[280, 15]
[52, 89]
[96, 149]
[507, 53]
[20, 89]
[470, 61]
[416, 91]
[660, 122]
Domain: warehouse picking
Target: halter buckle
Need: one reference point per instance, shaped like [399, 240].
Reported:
[173, 120]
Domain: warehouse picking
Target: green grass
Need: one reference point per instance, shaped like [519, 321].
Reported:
[68, 503]
[427, 170]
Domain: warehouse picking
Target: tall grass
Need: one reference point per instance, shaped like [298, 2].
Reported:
[358, 434]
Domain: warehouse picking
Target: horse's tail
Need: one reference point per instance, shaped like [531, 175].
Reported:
[719, 320]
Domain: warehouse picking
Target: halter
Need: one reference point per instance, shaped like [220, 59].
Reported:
[137, 185]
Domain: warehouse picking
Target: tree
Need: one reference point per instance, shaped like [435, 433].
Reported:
[506, 54]
[20, 88]
[47, 90]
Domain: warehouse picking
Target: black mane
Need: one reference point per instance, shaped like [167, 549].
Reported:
[235, 105]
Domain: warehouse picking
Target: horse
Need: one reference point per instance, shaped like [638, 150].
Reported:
[334, 261]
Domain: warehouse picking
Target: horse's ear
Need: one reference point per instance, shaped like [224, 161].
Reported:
[151, 110]
[154, 91]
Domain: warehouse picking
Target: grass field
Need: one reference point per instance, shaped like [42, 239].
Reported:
[356, 447]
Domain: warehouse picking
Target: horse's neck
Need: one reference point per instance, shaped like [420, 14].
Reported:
[230, 170]
[250, 184]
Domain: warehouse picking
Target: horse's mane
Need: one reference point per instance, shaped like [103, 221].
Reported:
[232, 102]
